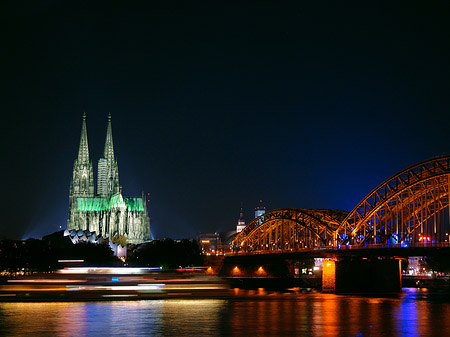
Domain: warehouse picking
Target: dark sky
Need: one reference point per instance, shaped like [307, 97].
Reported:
[309, 105]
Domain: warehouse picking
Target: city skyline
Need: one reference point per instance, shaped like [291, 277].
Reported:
[305, 106]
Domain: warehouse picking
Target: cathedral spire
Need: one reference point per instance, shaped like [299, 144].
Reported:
[108, 154]
[83, 151]
[82, 184]
[108, 172]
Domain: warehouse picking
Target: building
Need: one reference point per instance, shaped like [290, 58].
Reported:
[241, 222]
[210, 244]
[107, 213]
[260, 210]
[80, 235]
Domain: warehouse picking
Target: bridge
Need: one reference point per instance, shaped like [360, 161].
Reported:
[406, 215]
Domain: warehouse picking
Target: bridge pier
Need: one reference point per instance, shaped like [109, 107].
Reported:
[359, 275]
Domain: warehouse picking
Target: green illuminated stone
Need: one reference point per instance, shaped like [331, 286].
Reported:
[107, 212]
[96, 204]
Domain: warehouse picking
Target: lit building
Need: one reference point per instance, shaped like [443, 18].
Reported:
[260, 210]
[108, 213]
[416, 265]
[241, 222]
[210, 244]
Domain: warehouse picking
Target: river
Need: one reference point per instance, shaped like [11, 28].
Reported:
[414, 312]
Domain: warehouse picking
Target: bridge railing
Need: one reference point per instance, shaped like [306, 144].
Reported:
[345, 247]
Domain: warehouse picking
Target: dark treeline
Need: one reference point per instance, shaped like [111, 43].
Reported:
[439, 263]
[42, 255]
[166, 253]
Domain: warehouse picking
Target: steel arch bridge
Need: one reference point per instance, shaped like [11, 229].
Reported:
[409, 209]
[289, 229]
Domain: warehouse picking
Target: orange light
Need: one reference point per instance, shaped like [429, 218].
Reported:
[261, 271]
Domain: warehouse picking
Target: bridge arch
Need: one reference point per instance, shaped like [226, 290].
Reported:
[289, 229]
[406, 208]
[409, 208]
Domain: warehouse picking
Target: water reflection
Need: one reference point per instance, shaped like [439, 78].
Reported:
[130, 318]
[411, 313]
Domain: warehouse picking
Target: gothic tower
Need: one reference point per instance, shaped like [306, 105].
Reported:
[108, 171]
[82, 184]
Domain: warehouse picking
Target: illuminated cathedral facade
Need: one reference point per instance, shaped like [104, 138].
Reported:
[107, 213]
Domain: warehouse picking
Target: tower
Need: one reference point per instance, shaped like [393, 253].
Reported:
[241, 222]
[82, 184]
[260, 209]
[108, 171]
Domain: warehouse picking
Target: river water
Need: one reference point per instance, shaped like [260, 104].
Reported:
[414, 312]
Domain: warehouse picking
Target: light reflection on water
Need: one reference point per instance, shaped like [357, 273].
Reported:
[412, 313]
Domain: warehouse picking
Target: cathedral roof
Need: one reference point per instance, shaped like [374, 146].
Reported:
[103, 204]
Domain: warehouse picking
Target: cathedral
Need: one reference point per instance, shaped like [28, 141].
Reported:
[106, 213]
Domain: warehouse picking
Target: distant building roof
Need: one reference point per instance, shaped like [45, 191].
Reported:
[81, 235]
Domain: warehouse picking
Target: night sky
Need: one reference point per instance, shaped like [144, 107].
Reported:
[309, 105]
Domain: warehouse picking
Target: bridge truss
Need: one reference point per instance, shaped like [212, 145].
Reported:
[289, 229]
[410, 208]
